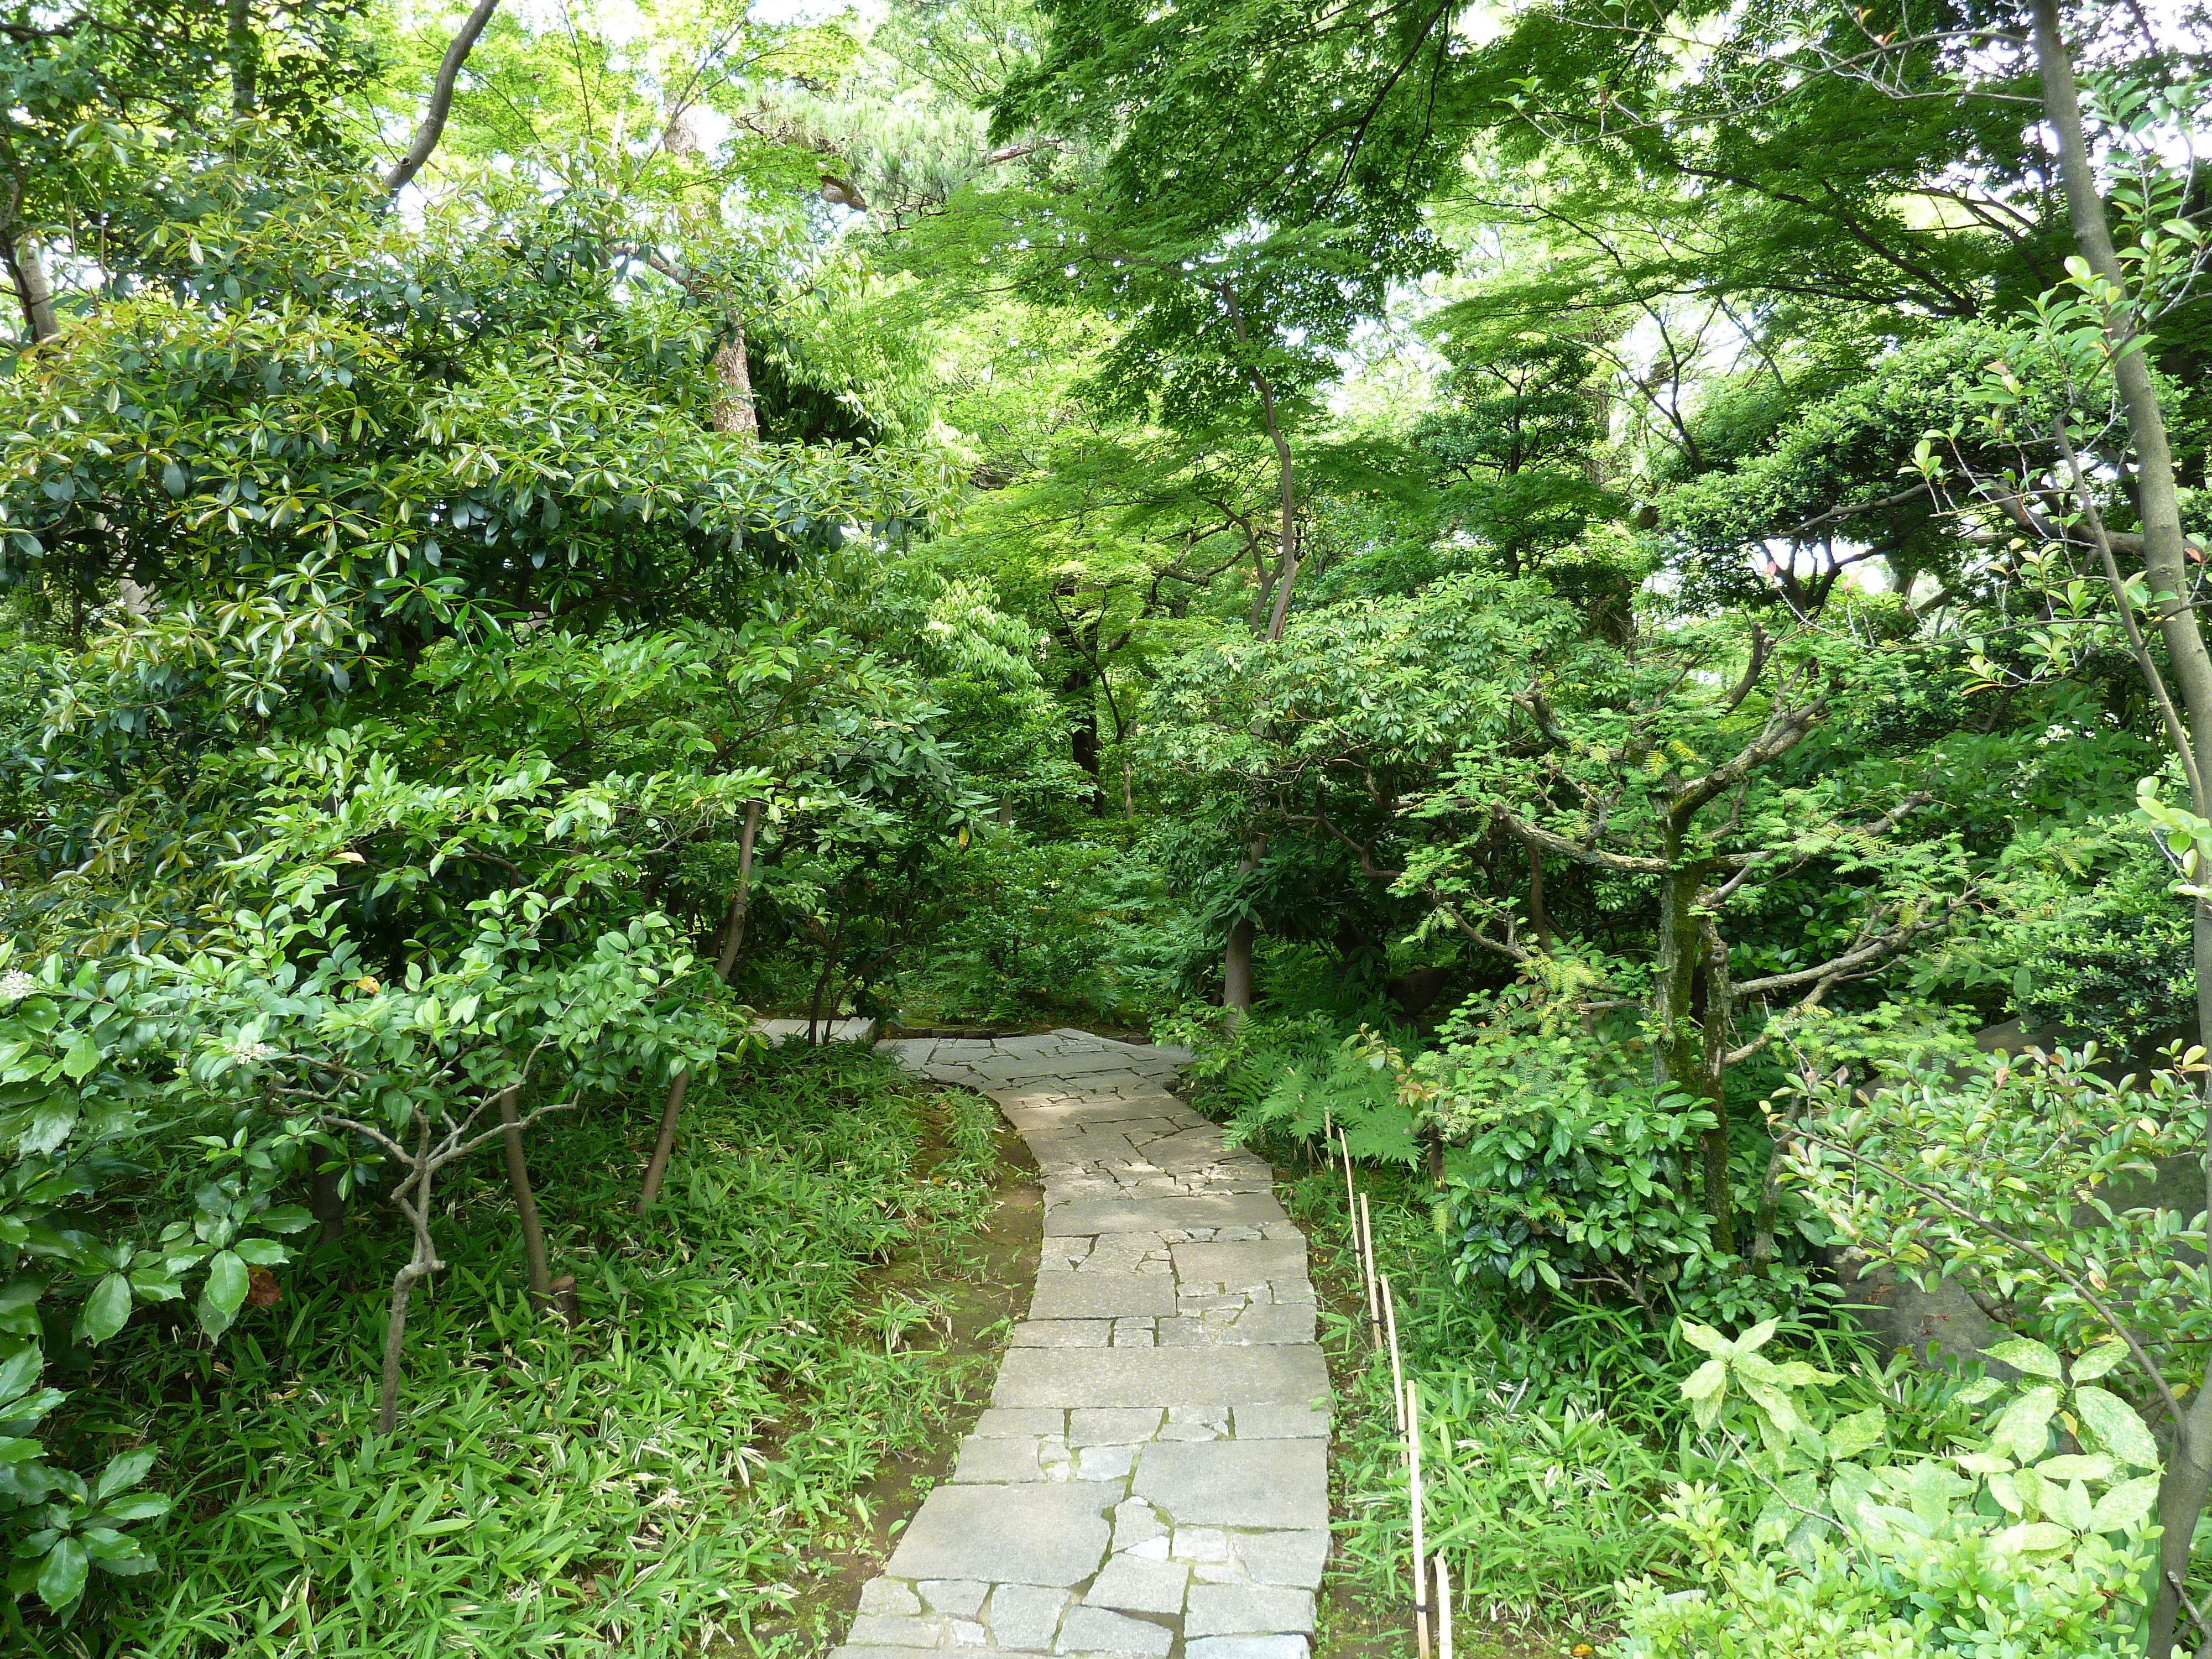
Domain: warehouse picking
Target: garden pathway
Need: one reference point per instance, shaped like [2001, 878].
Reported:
[1149, 1480]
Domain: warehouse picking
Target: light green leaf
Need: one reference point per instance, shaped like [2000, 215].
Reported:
[2069, 1504]
[2125, 1505]
[2020, 1430]
[1709, 1379]
[1757, 1336]
[2075, 1468]
[2116, 1427]
[106, 1311]
[2027, 1356]
[1850, 1435]
[2035, 1537]
[1705, 1337]
[2100, 1360]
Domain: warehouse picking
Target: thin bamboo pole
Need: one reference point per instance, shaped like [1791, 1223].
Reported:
[1367, 1243]
[1397, 1371]
[1420, 1540]
[1443, 1608]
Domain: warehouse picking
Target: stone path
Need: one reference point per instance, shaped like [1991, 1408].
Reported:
[1149, 1481]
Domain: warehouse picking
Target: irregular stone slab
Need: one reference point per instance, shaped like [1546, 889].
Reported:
[1246, 1610]
[1105, 1297]
[1155, 1215]
[1095, 1630]
[1064, 1333]
[1257, 1261]
[1271, 1422]
[1283, 1557]
[1236, 1483]
[1026, 1616]
[1247, 1647]
[1285, 1375]
[1045, 1534]
[1137, 1585]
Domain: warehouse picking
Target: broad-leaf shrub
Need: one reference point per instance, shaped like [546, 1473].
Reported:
[2016, 1546]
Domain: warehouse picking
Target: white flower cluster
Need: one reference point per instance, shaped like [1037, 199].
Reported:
[15, 985]
[253, 1051]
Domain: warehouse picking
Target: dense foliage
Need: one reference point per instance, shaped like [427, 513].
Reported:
[1590, 600]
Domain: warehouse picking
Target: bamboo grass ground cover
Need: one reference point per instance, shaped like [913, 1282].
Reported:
[647, 1484]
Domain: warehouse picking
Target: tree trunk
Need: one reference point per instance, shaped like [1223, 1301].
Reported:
[525, 1206]
[395, 1336]
[1236, 956]
[1237, 969]
[327, 1205]
[1539, 918]
[1715, 1034]
[2188, 1471]
[664, 1144]
[734, 412]
[28, 271]
[239, 48]
[733, 933]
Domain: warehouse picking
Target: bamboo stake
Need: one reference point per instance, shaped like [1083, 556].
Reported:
[1367, 1265]
[1351, 1200]
[1420, 1542]
[1443, 1609]
[1397, 1371]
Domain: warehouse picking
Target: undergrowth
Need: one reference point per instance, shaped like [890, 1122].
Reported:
[646, 1483]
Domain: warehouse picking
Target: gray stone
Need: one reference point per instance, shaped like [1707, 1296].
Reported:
[1135, 1522]
[1243, 1647]
[889, 1598]
[1260, 1375]
[1282, 1422]
[1061, 1333]
[1005, 1424]
[1045, 1534]
[1272, 1322]
[1140, 1586]
[1094, 1630]
[1236, 1483]
[961, 1597]
[1103, 1295]
[1284, 1558]
[997, 1461]
[897, 1633]
[1105, 1462]
[1160, 1215]
[1240, 1266]
[1025, 1615]
[1118, 1427]
[1246, 1610]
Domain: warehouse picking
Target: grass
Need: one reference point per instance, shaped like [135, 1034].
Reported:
[653, 1482]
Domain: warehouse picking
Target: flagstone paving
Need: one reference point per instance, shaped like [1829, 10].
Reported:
[1149, 1481]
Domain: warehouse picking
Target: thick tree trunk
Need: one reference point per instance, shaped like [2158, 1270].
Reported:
[526, 1207]
[1236, 954]
[238, 48]
[734, 412]
[2188, 1471]
[28, 271]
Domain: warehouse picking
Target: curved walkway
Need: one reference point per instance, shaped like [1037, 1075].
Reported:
[1149, 1481]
